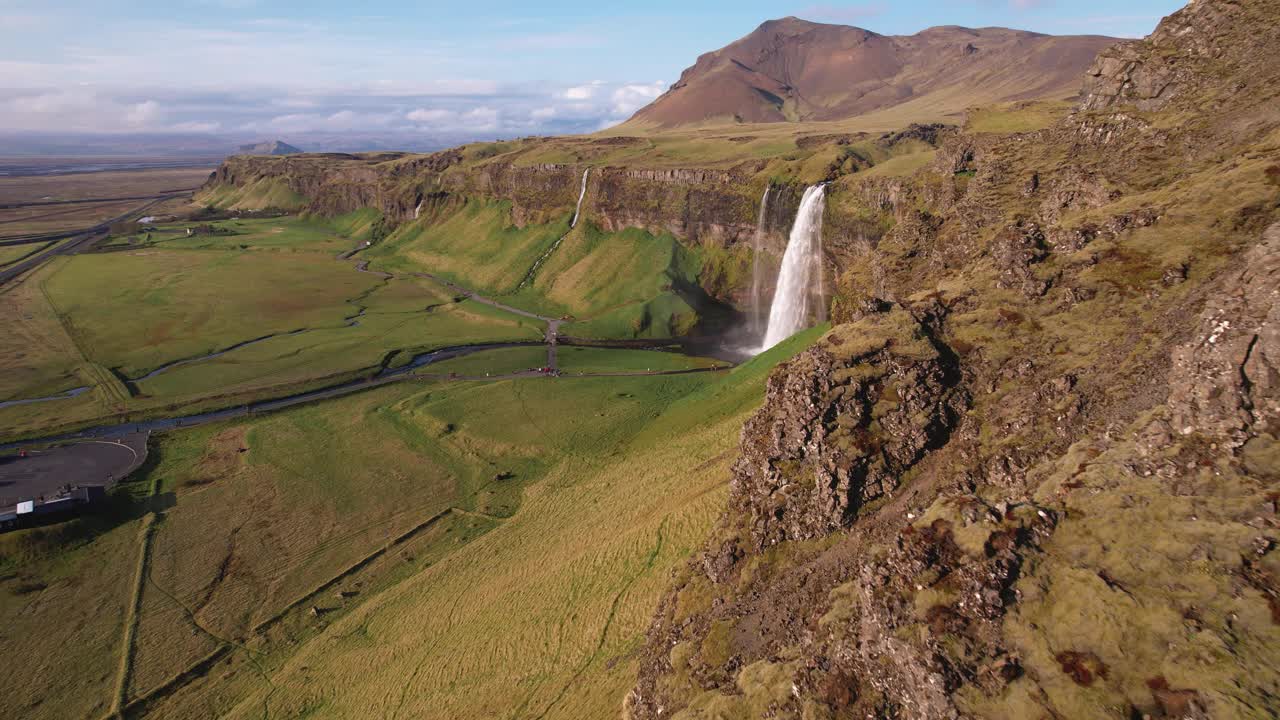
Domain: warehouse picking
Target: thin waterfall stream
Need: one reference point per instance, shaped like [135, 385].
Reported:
[577, 213]
[757, 268]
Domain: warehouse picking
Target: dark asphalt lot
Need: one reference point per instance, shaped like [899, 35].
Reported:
[44, 472]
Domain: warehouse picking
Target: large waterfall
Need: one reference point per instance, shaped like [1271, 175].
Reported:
[801, 270]
[757, 268]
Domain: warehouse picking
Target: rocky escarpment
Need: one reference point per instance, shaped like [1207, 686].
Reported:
[1033, 472]
[717, 208]
[1185, 60]
[841, 425]
[704, 207]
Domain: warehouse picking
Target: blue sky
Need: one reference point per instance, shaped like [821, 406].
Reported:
[282, 68]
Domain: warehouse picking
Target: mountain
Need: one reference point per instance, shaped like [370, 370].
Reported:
[796, 70]
[272, 147]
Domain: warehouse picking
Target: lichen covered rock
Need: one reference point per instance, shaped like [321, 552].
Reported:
[840, 424]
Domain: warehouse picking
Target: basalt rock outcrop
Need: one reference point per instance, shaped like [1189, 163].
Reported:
[840, 426]
[1034, 470]
[1184, 61]
[711, 207]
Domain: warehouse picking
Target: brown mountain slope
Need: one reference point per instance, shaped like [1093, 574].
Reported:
[792, 69]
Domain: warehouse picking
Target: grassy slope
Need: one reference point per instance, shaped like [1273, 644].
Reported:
[537, 617]
[258, 195]
[574, 499]
[619, 284]
[476, 246]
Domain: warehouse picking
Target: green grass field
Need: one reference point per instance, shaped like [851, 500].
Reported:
[493, 362]
[271, 301]
[470, 550]
[136, 311]
[587, 360]
[16, 253]
[284, 234]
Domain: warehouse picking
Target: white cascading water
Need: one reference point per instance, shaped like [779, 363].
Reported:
[801, 269]
[577, 213]
[757, 269]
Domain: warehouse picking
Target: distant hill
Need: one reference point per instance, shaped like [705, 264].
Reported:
[274, 147]
[796, 70]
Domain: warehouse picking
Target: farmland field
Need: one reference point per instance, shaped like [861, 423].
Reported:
[253, 565]
[101, 186]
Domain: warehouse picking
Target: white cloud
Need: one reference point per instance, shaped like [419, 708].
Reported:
[85, 110]
[427, 117]
[143, 115]
[580, 92]
[481, 119]
[509, 111]
[630, 98]
[199, 128]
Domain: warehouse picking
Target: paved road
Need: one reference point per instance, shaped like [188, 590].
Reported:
[83, 239]
[90, 201]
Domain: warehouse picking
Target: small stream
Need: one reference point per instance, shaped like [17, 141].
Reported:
[76, 392]
[201, 358]
[577, 213]
[383, 377]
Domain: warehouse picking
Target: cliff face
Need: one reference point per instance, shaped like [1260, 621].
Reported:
[709, 207]
[1034, 470]
[1184, 61]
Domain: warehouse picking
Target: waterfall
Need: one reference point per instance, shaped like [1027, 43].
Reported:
[577, 212]
[801, 263]
[757, 270]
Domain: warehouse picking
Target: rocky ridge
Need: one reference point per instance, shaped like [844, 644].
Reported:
[1033, 470]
